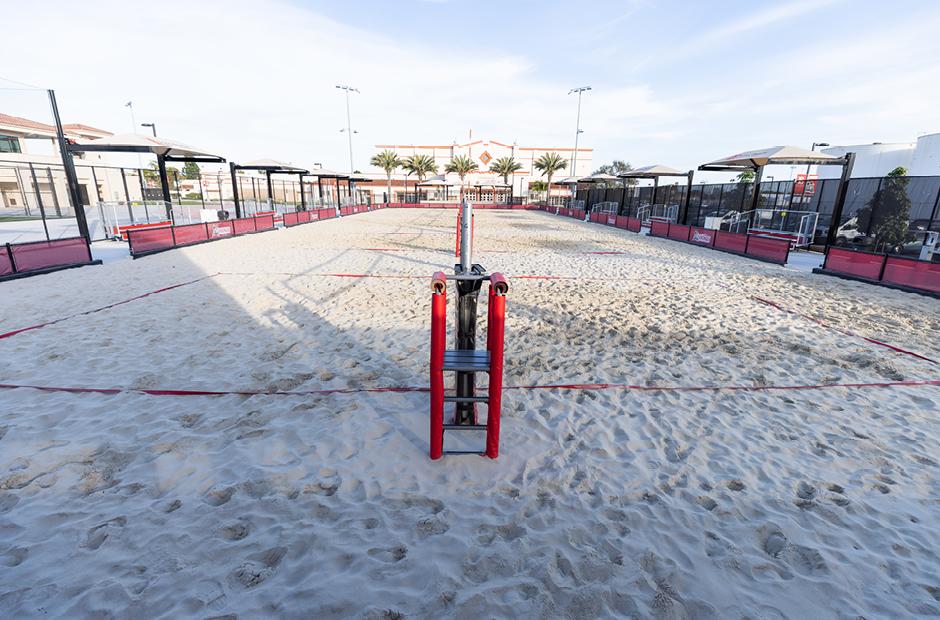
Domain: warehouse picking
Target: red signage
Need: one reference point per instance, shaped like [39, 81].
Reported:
[805, 185]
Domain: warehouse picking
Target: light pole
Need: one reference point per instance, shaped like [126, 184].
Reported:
[130, 106]
[153, 128]
[577, 130]
[348, 130]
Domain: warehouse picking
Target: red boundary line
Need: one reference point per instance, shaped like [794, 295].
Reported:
[844, 332]
[114, 305]
[406, 389]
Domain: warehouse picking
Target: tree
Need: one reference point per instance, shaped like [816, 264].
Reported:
[616, 167]
[504, 166]
[152, 175]
[388, 161]
[745, 177]
[461, 165]
[548, 164]
[420, 165]
[890, 209]
[191, 170]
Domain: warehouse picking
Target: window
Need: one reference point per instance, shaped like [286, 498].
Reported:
[9, 144]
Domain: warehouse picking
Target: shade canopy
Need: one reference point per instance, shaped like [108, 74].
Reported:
[327, 174]
[774, 155]
[435, 183]
[170, 150]
[271, 165]
[652, 172]
[598, 177]
[566, 181]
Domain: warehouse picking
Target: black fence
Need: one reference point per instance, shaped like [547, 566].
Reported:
[886, 214]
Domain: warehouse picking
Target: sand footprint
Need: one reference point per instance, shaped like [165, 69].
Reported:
[98, 534]
[217, 497]
[389, 554]
[259, 567]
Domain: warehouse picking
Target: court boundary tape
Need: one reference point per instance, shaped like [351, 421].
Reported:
[845, 332]
[412, 389]
[102, 308]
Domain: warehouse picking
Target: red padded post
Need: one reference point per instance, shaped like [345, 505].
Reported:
[495, 332]
[438, 337]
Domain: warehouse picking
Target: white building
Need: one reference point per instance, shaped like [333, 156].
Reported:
[484, 185]
[920, 158]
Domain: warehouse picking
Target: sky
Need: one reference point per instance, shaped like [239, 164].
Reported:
[673, 82]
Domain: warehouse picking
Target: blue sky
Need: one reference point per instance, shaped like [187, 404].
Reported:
[673, 82]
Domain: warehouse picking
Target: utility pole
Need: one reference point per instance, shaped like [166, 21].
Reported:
[348, 130]
[577, 130]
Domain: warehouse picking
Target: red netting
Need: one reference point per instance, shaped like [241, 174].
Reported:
[913, 273]
[190, 233]
[148, 240]
[702, 236]
[776, 250]
[42, 254]
[850, 262]
[729, 241]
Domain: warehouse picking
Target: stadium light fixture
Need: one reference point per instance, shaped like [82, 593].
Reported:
[577, 129]
[349, 131]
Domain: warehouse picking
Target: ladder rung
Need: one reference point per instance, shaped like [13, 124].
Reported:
[467, 360]
[466, 399]
[477, 452]
[465, 427]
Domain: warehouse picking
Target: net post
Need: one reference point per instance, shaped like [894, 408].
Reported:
[438, 336]
[495, 344]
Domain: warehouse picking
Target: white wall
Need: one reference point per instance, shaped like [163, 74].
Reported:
[871, 160]
[926, 160]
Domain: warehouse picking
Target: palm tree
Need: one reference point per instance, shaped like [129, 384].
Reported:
[461, 165]
[420, 166]
[549, 164]
[504, 166]
[388, 161]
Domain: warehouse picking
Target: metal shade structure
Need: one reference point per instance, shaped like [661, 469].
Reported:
[566, 181]
[322, 173]
[269, 167]
[655, 172]
[597, 177]
[164, 149]
[757, 159]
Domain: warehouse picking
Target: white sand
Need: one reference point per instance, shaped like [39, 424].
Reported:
[785, 504]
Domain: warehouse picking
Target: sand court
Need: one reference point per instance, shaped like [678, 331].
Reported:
[735, 438]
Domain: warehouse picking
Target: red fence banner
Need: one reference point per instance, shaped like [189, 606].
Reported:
[150, 240]
[611, 220]
[634, 224]
[303, 217]
[678, 232]
[326, 214]
[217, 230]
[291, 219]
[264, 222]
[623, 222]
[6, 260]
[853, 263]
[243, 226]
[35, 255]
[659, 228]
[189, 234]
[730, 242]
[702, 236]
[912, 273]
[768, 248]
